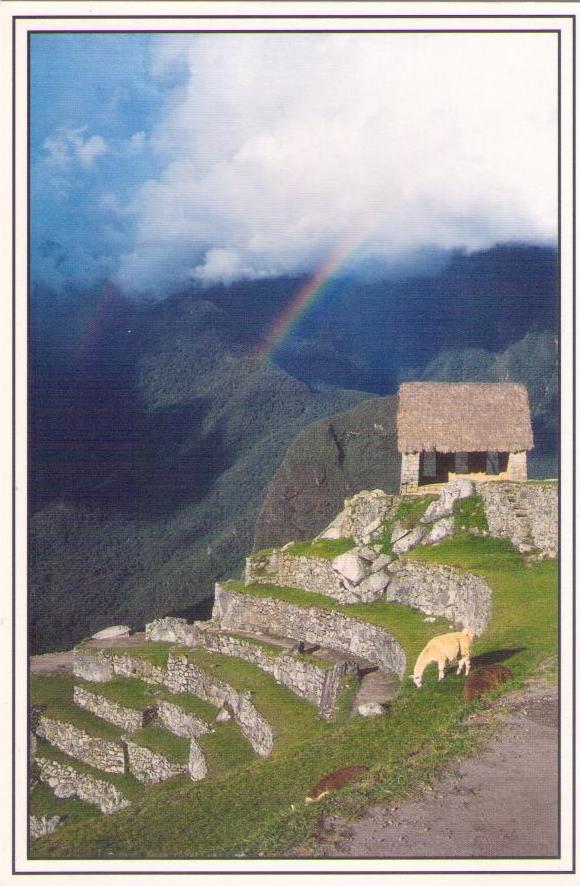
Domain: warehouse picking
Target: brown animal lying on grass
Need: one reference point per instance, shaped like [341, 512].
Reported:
[484, 680]
[334, 781]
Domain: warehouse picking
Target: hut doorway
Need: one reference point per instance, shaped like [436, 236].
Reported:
[435, 467]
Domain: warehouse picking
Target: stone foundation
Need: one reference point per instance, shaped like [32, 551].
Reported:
[66, 781]
[238, 611]
[526, 513]
[98, 752]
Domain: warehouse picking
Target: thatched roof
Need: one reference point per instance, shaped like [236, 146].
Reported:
[463, 417]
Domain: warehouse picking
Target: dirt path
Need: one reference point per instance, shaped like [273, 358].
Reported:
[500, 803]
[53, 662]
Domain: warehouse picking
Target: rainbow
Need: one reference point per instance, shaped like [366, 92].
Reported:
[312, 290]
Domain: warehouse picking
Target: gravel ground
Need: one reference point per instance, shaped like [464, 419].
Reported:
[501, 803]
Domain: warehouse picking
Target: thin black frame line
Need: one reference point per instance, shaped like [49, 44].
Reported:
[303, 16]
[307, 31]
[13, 443]
[379, 858]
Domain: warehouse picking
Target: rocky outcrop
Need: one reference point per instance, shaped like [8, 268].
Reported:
[66, 781]
[98, 752]
[362, 517]
[325, 627]
[328, 462]
[460, 596]
[128, 719]
[526, 513]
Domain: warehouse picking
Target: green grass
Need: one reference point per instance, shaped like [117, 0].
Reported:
[292, 719]
[411, 509]
[162, 742]
[154, 653]
[326, 548]
[43, 802]
[56, 692]
[247, 810]
[127, 692]
[469, 513]
[226, 749]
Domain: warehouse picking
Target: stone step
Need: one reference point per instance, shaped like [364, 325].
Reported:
[376, 686]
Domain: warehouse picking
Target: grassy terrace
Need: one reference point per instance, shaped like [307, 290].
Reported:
[56, 692]
[128, 693]
[327, 548]
[406, 625]
[162, 742]
[225, 749]
[154, 653]
[128, 785]
[247, 811]
[292, 719]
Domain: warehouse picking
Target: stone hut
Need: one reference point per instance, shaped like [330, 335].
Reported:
[482, 431]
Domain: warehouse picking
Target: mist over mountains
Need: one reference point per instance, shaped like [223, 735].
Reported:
[155, 428]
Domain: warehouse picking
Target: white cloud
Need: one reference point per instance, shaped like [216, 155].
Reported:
[69, 144]
[278, 149]
[136, 143]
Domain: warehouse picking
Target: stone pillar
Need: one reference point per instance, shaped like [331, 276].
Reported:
[517, 467]
[410, 471]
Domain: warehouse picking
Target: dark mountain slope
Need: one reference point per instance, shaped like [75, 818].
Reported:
[177, 452]
[328, 462]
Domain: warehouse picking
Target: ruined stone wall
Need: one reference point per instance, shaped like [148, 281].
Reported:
[526, 513]
[148, 767]
[183, 676]
[97, 752]
[460, 596]
[234, 611]
[66, 781]
[313, 574]
[180, 675]
[318, 685]
[128, 719]
[176, 720]
[88, 664]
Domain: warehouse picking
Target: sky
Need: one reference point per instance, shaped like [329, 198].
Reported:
[159, 161]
